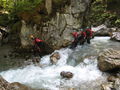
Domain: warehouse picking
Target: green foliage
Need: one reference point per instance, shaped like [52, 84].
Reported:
[100, 14]
[117, 22]
[26, 5]
[4, 19]
[19, 5]
[16, 6]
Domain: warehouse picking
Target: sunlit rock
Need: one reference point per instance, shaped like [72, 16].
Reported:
[115, 36]
[4, 85]
[107, 86]
[55, 57]
[19, 86]
[109, 60]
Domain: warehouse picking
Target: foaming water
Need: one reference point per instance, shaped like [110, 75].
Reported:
[86, 74]
[49, 77]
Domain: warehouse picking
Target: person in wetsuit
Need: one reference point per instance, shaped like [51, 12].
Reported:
[89, 34]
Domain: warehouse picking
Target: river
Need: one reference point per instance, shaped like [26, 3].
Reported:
[82, 62]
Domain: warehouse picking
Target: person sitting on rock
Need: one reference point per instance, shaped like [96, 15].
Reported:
[89, 34]
[82, 37]
[75, 42]
[39, 46]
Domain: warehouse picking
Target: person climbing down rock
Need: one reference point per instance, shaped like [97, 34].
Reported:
[75, 42]
[39, 47]
[89, 34]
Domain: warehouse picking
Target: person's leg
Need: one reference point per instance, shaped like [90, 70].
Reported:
[88, 40]
[73, 45]
[81, 40]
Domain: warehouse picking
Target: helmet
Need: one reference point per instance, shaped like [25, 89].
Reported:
[87, 27]
[81, 29]
[31, 36]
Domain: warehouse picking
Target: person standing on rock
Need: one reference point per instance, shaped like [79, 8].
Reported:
[75, 42]
[89, 34]
[82, 37]
[39, 46]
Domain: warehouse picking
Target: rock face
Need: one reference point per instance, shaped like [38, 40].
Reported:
[115, 36]
[67, 75]
[4, 85]
[54, 57]
[109, 60]
[56, 32]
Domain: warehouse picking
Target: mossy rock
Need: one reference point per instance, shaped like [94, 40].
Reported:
[4, 21]
[16, 27]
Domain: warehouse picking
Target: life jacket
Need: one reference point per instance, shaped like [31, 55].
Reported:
[83, 34]
[89, 33]
[36, 44]
[37, 40]
[75, 34]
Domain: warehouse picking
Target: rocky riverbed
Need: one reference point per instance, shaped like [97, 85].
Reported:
[81, 62]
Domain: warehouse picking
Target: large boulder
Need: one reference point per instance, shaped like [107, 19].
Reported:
[102, 30]
[4, 85]
[115, 36]
[109, 60]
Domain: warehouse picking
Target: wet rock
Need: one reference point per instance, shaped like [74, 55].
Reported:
[115, 36]
[107, 86]
[111, 79]
[19, 86]
[109, 60]
[34, 60]
[54, 57]
[67, 75]
[4, 85]
[112, 84]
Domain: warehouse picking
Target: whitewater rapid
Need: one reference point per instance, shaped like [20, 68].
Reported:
[86, 73]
